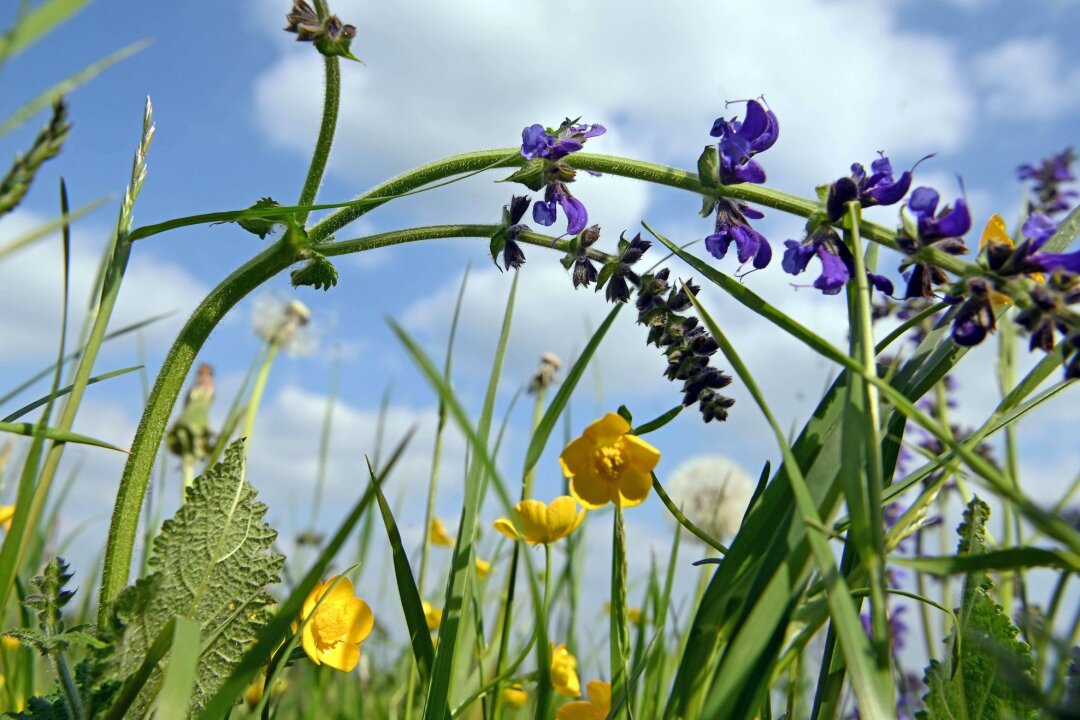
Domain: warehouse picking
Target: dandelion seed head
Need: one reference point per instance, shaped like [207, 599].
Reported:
[713, 492]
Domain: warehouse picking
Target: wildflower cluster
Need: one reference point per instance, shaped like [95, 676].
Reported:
[731, 162]
[548, 147]
[1048, 195]
[330, 35]
[686, 344]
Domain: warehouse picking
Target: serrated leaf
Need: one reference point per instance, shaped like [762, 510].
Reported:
[977, 688]
[318, 272]
[211, 564]
[261, 226]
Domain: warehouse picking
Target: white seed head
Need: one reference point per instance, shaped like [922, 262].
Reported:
[285, 322]
[713, 492]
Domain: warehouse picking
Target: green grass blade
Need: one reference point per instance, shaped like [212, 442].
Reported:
[461, 571]
[419, 635]
[279, 628]
[47, 98]
[1006, 559]
[56, 435]
[35, 23]
[562, 397]
[620, 633]
[178, 683]
[133, 684]
[64, 391]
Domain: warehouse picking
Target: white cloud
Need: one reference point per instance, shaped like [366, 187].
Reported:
[656, 76]
[31, 285]
[1028, 78]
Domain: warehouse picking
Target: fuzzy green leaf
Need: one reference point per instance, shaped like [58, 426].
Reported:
[261, 226]
[211, 563]
[977, 688]
[318, 272]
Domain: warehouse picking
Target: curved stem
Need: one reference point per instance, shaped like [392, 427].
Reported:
[331, 103]
[125, 519]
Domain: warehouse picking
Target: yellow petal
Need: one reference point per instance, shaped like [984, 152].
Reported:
[564, 676]
[600, 695]
[360, 621]
[590, 490]
[577, 457]
[439, 535]
[995, 232]
[7, 512]
[483, 568]
[533, 515]
[338, 594]
[307, 641]
[342, 656]
[563, 517]
[640, 454]
[607, 429]
[634, 487]
[506, 527]
[514, 696]
[579, 710]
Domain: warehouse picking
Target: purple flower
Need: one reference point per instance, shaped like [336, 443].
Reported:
[740, 141]
[1038, 229]
[732, 226]
[1047, 178]
[975, 317]
[539, 143]
[879, 187]
[837, 264]
[941, 230]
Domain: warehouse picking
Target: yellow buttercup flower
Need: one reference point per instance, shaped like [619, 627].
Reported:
[433, 615]
[607, 465]
[483, 568]
[597, 708]
[6, 513]
[10, 643]
[333, 634]
[439, 535]
[564, 676]
[514, 696]
[542, 524]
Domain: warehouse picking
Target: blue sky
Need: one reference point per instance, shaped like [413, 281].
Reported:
[982, 83]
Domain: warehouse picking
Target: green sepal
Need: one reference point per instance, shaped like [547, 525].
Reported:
[907, 222]
[567, 260]
[822, 192]
[708, 167]
[606, 272]
[498, 242]
[708, 204]
[531, 175]
[338, 47]
[624, 413]
[259, 225]
[318, 272]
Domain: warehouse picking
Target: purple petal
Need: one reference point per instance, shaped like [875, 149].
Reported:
[544, 212]
[1051, 262]
[752, 213]
[717, 244]
[721, 128]
[881, 166]
[889, 193]
[535, 142]
[751, 172]
[796, 257]
[576, 216]
[756, 122]
[923, 202]
[767, 139]
[1039, 228]
[834, 273]
[764, 253]
[565, 146]
[588, 131]
[953, 223]
[881, 283]
[968, 333]
[746, 241]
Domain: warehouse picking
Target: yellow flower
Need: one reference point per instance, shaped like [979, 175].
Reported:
[542, 524]
[433, 615]
[6, 513]
[10, 643]
[483, 568]
[995, 234]
[564, 672]
[438, 534]
[335, 630]
[514, 696]
[635, 616]
[607, 465]
[597, 708]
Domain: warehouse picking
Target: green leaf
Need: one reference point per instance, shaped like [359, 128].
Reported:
[531, 175]
[35, 23]
[56, 435]
[319, 273]
[261, 225]
[211, 564]
[978, 688]
[179, 682]
[708, 170]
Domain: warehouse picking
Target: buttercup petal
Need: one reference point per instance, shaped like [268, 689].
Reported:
[506, 527]
[563, 517]
[600, 695]
[634, 487]
[307, 641]
[607, 429]
[343, 656]
[640, 454]
[577, 457]
[590, 491]
[533, 516]
[360, 620]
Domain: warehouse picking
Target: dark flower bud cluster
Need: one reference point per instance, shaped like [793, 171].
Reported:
[1048, 196]
[687, 346]
[578, 260]
[548, 147]
[731, 162]
[330, 35]
[504, 240]
[618, 274]
[943, 231]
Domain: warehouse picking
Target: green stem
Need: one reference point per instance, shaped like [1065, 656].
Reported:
[125, 519]
[273, 346]
[331, 103]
